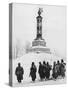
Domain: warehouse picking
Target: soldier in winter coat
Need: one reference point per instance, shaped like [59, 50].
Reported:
[19, 73]
[40, 71]
[33, 71]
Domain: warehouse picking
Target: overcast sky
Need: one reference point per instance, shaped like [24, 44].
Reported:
[53, 25]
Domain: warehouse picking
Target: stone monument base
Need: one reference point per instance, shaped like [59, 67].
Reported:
[39, 49]
[39, 42]
[39, 46]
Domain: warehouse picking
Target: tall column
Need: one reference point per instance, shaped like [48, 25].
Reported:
[39, 25]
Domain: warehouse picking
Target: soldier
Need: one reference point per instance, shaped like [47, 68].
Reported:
[58, 67]
[33, 71]
[19, 73]
[40, 71]
[54, 73]
[44, 69]
[62, 68]
[48, 68]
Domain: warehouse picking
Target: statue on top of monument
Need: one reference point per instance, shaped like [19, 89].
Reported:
[40, 11]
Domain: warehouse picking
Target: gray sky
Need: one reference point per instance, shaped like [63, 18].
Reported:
[53, 25]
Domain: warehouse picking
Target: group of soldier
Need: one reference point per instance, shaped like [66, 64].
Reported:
[58, 69]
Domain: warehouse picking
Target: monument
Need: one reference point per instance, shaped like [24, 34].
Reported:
[39, 44]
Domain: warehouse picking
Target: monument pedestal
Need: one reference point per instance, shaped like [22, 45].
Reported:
[39, 46]
[39, 49]
[39, 42]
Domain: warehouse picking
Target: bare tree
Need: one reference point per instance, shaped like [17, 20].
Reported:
[27, 47]
[19, 50]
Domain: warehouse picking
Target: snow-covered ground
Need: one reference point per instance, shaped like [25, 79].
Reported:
[40, 83]
[26, 61]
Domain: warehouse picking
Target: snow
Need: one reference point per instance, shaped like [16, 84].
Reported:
[26, 61]
[40, 83]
